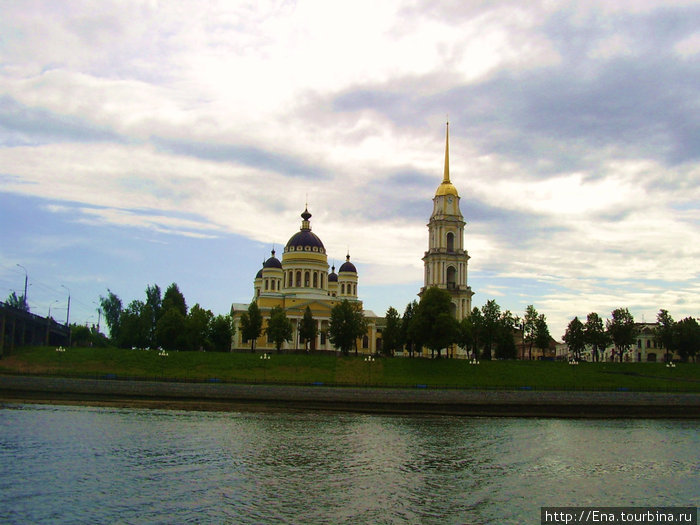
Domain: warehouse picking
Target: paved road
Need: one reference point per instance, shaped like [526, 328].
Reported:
[226, 396]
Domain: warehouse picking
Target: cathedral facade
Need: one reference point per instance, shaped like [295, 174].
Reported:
[302, 277]
[299, 280]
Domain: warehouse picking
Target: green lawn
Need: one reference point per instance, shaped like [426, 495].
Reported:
[331, 370]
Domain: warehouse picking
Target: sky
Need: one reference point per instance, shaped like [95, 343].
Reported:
[146, 142]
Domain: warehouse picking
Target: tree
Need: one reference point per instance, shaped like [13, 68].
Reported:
[197, 328]
[687, 338]
[112, 309]
[307, 328]
[19, 302]
[170, 329]
[347, 323]
[575, 337]
[173, 298]
[434, 322]
[542, 336]
[391, 336]
[279, 328]
[477, 322]
[595, 335]
[505, 341]
[665, 332]
[221, 332]
[81, 335]
[621, 330]
[133, 329]
[251, 324]
[407, 337]
[490, 316]
[530, 328]
[152, 310]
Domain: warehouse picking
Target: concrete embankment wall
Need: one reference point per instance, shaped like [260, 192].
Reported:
[225, 396]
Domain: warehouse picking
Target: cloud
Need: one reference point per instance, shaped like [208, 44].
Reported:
[22, 125]
[574, 136]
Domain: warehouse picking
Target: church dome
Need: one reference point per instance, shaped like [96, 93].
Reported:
[347, 266]
[259, 274]
[446, 188]
[272, 262]
[305, 237]
[333, 277]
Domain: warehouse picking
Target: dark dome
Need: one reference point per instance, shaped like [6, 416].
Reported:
[347, 266]
[259, 274]
[333, 277]
[272, 262]
[305, 238]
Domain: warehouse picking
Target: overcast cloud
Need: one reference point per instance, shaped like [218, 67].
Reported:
[131, 130]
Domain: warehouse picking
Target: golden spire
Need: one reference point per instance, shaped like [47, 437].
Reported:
[446, 177]
[446, 187]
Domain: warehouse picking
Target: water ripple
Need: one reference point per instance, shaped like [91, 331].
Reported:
[87, 465]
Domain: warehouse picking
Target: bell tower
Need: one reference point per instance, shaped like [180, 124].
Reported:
[446, 260]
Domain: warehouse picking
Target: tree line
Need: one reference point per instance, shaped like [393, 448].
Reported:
[486, 333]
[347, 324]
[621, 331]
[164, 320]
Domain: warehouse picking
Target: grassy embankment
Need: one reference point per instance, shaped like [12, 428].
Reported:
[331, 370]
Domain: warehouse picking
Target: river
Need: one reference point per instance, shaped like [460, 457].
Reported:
[82, 464]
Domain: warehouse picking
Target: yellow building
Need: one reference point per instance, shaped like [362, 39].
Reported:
[446, 261]
[299, 280]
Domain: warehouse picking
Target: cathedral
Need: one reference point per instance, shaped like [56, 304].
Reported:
[302, 278]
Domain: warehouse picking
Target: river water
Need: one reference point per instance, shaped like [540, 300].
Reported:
[70, 464]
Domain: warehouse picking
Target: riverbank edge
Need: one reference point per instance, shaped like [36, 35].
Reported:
[418, 401]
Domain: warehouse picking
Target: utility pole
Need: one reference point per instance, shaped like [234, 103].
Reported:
[24, 297]
[68, 315]
[67, 309]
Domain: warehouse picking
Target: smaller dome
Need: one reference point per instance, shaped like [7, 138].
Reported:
[259, 274]
[348, 266]
[333, 277]
[272, 262]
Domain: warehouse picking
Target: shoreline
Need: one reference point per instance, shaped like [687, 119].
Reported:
[400, 401]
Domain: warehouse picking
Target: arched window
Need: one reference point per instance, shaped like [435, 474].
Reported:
[450, 242]
[307, 279]
[365, 342]
[451, 278]
[315, 279]
[342, 289]
[298, 279]
[266, 284]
